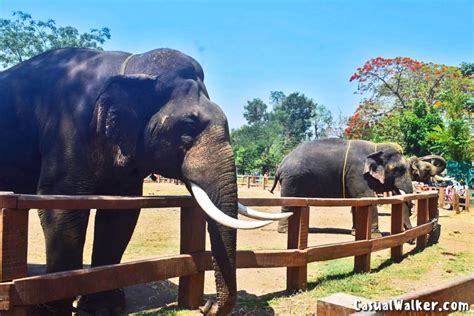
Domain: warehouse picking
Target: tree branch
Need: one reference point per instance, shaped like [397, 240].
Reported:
[389, 88]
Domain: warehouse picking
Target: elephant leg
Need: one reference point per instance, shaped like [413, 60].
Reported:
[289, 188]
[375, 222]
[64, 232]
[113, 231]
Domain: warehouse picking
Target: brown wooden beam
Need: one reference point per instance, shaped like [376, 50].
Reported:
[396, 227]
[298, 226]
[422, 218]
[363, 224]
[193, 239]
[13, 244]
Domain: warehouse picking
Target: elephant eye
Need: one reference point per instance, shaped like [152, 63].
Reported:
[189, 129]
[400, 169]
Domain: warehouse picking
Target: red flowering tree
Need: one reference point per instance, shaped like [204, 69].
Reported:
[391, 85]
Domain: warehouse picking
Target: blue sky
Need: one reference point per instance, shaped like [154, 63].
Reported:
[249, 48]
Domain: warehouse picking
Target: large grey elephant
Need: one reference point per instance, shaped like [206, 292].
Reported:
[335, 168]
[79, 121]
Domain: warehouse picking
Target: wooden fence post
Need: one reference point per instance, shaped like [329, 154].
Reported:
[468, 200]
[298, 226]
[433, 210]
[248, 182]
[193, 239]
[363, 224]
[422, 216]
[13, 244]
[396, 228]
[456, 203]
[442, 196]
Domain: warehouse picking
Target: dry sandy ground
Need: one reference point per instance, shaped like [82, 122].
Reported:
[157, 234]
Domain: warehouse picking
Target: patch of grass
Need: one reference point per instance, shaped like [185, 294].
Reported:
[387, 279]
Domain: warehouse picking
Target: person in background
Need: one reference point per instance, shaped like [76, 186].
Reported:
[461, 189]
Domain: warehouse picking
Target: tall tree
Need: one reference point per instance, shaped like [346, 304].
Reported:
[255, 111]
[416, 124]
[23, 38]
[295, 113]
[323, 121]
[428, 107]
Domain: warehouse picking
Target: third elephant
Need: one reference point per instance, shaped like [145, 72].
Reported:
[336, 168]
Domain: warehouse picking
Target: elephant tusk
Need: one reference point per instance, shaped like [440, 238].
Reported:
[402, 192]
[213, 212]
[247, 211]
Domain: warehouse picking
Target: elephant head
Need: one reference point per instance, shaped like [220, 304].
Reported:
[160, 119]
[387, 170]
[422, 169]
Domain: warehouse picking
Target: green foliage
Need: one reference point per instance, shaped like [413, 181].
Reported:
[257, 147]
[295, 113]
[269, 136]
[323, 121]
[426, 107]
[255, 111]
[23, 38]
[467, 69]
[416, 124]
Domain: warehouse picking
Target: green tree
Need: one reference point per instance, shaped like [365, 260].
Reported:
[255, 111]
[455, 139]
[257, 147]
[262, 143]
[23, 38]
[467, 69]
[416, 124]
[295, 113]
[323, 121]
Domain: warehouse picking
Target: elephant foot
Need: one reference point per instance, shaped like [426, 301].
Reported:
[110, 303]
[376, 233]
[283, 226]
[433, 237]
[212, 309]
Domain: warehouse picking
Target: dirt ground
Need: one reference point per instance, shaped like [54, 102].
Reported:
[157, 234]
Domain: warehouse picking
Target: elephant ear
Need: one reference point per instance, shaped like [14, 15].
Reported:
[375, 167]
[117, 113]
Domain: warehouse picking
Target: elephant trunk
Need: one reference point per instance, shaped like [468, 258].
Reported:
[440, 166]
[404, 186]
[210, 165]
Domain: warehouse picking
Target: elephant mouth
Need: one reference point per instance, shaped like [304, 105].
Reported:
[220, 217]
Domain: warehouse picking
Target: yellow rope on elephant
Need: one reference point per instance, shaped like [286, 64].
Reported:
[396, 146]
[344, 171]
[124, 64]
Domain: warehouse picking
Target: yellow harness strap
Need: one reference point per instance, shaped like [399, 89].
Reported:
[344, 171]
[124, 64]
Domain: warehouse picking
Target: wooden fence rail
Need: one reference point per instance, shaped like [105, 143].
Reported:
[18, 290]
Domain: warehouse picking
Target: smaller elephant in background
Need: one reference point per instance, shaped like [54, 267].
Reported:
[336, 168]
[424, 168]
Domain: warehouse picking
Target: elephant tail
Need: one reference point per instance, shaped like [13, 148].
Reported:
[277, 178]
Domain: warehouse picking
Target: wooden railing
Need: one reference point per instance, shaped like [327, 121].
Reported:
[264, 182]
[18, 290]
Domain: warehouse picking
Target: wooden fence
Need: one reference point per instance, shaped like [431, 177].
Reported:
[18, 290]
[264, 182]
[455, 200]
